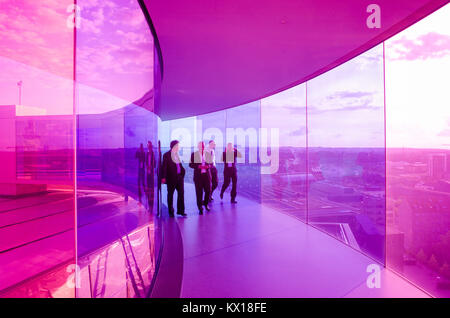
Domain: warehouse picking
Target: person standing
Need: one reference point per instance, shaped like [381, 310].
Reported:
[200, 162]
[172, 173]
[213, 170]
[140, 156]
[150, 165]
[229, 170]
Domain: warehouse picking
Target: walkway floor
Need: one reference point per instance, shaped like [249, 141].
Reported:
[249, 250]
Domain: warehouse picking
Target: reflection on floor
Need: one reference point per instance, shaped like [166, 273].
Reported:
[249, 250]
[106, 220]
[122, 269]
[37, 234]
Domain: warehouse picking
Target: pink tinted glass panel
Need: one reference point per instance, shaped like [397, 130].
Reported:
[284, 179]
[418, 153]
[36, 149]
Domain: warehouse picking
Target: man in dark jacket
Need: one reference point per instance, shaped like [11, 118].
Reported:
[200, 162]
[229, 170]
[172, 173]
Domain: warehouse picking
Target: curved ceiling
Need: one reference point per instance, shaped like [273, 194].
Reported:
[223, 53]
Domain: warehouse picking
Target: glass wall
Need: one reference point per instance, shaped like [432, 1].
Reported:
[36, 149]
[240, 126]
[116, 150]
[77, 193]
[418, 153]
[346, 153]
[285, 175]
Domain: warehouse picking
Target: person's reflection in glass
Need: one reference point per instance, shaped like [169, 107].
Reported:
[140, 156]
[150, 165]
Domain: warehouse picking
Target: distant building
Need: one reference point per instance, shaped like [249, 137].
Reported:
[423, 218]
[437, 165]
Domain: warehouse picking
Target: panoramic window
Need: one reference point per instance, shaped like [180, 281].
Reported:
[418, 152]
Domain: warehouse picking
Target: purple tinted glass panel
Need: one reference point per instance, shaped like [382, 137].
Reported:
[116, 149]
[284, 177]
[243, 130]
[346, 154]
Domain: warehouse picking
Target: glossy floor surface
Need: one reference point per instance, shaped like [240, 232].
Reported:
[249, 250]
[36, 232]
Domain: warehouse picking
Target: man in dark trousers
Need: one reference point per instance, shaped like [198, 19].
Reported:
[200, 162]
[214, 179]
[140, 156]
[172, 173]
[150, 165]
[229, 170]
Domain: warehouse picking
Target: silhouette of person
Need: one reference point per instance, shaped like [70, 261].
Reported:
[229, 170]
[213, 170]
[140, 156]
[200, 162]
[172, 173]
[150, 165]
